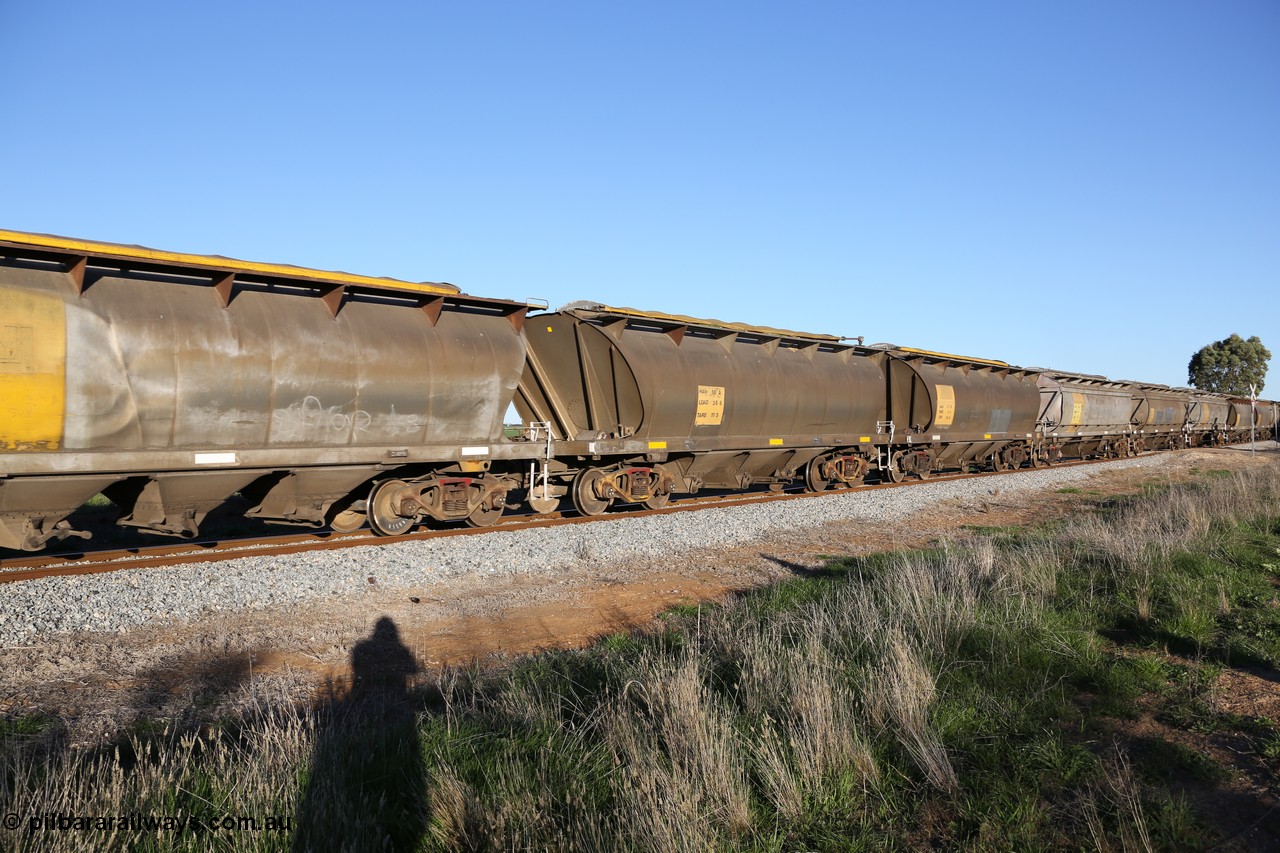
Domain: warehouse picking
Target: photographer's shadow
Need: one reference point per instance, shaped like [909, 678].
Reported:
[366, 789]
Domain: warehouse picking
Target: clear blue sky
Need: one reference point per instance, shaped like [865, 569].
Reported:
[1087, 185]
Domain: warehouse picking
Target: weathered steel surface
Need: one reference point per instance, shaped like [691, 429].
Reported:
[1158, 409]
[1244, 415]
[1208, 412]
[596, 374]
[139, 257]
[1080, 406]
[158, 366]
[168, 372]
[955, 400]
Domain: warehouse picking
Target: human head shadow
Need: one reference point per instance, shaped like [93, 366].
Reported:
[798, 569]
[367, 783]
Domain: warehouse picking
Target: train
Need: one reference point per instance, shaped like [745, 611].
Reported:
[172, 382]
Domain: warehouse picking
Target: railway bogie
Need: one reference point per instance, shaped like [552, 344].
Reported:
[395, 506]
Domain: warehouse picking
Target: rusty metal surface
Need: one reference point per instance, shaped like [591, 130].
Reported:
[138, 257]
[936, 398]
[1157, 409]
[1264, 415]
[693, 390]
[1079, 406]
[1207, 412]
[168, 371]
[159, 366]
[678, 320]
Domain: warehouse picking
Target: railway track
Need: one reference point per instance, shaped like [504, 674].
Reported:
[206, 551]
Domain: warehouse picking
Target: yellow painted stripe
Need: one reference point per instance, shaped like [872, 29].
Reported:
[33, 363]
[775, 441]
[866, 439]
[969, 358]
[657, 445]
[714, 324]
[115, 250]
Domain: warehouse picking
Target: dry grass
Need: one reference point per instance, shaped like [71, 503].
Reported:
[166, 774]
[1118, 793]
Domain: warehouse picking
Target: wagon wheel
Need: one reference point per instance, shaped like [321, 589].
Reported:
[584, 497]
[657, 501]
[895, 467]
[999, 463]
[384, 509]
[813, 478]
[348, 520]
[481, 517]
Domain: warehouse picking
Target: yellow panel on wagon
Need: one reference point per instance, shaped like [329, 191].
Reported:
[33, 363]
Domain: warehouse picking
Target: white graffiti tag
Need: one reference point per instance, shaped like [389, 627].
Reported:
[397, 424]
[310, 420]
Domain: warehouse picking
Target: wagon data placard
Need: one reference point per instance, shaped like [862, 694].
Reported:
[710, 405]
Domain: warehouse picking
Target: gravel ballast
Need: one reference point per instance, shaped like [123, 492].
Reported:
[116, 601]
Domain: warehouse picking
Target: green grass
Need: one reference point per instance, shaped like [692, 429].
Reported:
[27, 725]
